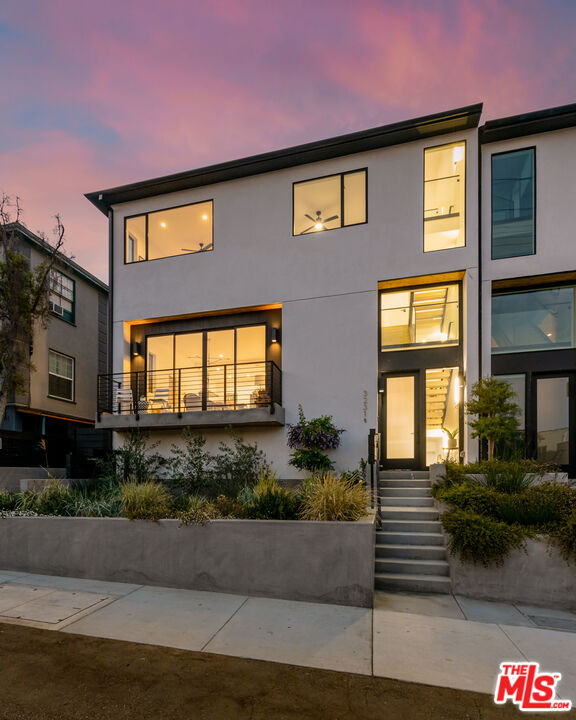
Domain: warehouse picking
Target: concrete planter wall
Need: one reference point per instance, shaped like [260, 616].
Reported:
[438, 472]
[539, 576]
[326, 562]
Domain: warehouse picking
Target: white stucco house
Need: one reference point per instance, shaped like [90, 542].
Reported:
[372, 277]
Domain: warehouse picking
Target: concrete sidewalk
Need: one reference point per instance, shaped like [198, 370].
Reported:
[437, 640]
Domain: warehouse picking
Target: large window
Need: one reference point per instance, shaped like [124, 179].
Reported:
[165, 233]
[60, 376]
[62, 296]
[426, 316]
[444, 197]
[513, 204]
[534, 320]
[329, 202]
[226, 368]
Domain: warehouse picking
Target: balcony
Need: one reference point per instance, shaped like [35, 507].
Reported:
[240, 394]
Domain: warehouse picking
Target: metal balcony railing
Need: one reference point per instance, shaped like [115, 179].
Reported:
[214, 387]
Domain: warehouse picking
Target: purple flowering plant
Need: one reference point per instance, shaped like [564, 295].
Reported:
[310, 439]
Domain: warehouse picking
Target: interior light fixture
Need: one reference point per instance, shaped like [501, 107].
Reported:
[163, 224]
[318, 226]
[204, 217]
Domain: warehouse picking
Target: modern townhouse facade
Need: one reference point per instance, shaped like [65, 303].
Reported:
[373, 277]
[58, 403]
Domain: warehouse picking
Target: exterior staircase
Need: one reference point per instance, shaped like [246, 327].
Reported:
[410, 550]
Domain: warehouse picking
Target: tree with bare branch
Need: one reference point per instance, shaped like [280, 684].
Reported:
[24, 291]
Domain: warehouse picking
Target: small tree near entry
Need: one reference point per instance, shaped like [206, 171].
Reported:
[23, 299]
[491, 401]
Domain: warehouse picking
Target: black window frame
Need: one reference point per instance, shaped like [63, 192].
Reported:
[326, 177]
[434, 147]
[151, 212]
[534, 185]
[67, 316]
[58, 397]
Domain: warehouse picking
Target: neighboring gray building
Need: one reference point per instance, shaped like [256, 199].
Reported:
[373, 277]
[59, 404]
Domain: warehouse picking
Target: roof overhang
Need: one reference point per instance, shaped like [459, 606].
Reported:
[457, 120]
[557, 118]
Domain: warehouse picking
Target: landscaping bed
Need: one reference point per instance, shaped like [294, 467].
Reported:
[512, 533]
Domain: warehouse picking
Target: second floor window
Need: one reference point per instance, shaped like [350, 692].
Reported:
[444, 197]
[513, 204]
[165, 233]
[60, 376]
[62, 298]
[328, 203]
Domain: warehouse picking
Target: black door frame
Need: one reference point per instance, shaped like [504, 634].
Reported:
[413, 463]
[532, 414]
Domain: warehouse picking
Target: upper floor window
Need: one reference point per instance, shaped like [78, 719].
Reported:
[60, 376]
[444, 196]
[534, 320]
[165, 233]
[513, 204]
[425, 316]
[62, 297]
[329, 202]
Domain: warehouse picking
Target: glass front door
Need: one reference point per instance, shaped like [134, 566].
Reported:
[399, 421]
[554, 426]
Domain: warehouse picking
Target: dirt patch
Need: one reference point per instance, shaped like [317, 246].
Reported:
[47, 675]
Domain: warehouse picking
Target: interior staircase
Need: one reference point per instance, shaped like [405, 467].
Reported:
[410, 550]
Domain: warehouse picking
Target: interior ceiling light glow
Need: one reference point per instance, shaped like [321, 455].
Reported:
[163, 224]
[318, 226]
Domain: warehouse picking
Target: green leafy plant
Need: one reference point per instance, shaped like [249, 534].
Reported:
[309, 439]
[199, 511]
[134, 461]
[191, 465]
[496, 414]
[145, 500]
[480, 539]
[328, 497]
[480, 500]
[268, 501]
[539, 506]
[9, 500]
[55, 499]
[509, 476]
[564, 536]
[236, 466]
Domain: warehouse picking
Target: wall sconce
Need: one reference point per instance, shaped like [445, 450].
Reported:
[135, 349]
[275, 335]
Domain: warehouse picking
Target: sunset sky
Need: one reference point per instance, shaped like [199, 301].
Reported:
[98, 94]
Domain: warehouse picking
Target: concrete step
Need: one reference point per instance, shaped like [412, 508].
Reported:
[413, 552]
[403, 537]
[422, 502]
[403, 512]
[412, 583]
[411, 526]
[403, 483]
[387, 474]
[407, 566]
[404, 492]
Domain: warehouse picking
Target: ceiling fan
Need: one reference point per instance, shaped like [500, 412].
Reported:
[203, 248]
[318, 223]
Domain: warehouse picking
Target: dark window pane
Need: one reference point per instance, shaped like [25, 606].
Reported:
[513, 225]
[539, 320]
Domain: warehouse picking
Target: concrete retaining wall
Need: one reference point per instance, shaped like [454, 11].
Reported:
[326, 562]
[19, 479]
[539, 576]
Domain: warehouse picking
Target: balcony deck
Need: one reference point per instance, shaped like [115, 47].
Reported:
[242, 394]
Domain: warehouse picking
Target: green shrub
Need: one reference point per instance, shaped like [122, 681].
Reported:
[309, 439]
[541, 505]
[190, 466]
[84, 503]
[508, 476]
[235, 467]
[199, 511]
[327, 497]
[55, 499]
[455, 473]
[268, 501]
[477, 499]
[480, 539]
[225, 507]
[27, 501]
[145, 501]
[564, 536]
[134, 461]
[9, 500]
